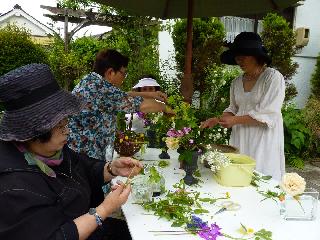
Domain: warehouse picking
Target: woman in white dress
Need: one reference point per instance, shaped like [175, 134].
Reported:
[256, 98]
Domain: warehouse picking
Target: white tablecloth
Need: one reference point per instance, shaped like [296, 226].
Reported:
[253, 213]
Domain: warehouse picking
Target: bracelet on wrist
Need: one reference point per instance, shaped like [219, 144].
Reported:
[92, 211]
[110, 170]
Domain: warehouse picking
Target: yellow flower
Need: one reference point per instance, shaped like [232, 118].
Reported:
[141, 135]
[245, 231]
[227, 195]
[126, 137]
[121, 140]
[172, 143]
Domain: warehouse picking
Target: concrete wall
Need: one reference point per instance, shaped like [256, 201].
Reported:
[307, 15]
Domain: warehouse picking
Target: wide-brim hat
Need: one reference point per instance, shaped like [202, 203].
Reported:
[245, 44]
[146, 82]
[34, 103]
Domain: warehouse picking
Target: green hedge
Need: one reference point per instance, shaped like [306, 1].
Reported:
[17, 49]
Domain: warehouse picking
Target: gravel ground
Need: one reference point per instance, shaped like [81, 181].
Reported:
[311, 173]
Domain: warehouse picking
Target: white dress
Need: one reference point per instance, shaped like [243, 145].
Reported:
[263, 143]
[137, 123]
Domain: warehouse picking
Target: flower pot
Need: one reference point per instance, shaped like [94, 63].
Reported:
[237, 174]
[302, 207]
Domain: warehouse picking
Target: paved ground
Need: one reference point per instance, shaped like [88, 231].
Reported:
[311, 173]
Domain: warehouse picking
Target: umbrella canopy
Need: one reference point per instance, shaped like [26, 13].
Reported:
[167, 9]
[202, 8]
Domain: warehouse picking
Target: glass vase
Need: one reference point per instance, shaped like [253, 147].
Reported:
[300, 208]
[141, 189]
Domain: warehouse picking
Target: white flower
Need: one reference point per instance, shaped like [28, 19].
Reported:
[293, 184]
[215, 159]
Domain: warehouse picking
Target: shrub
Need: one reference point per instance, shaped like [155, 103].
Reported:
[311, 114]
[208, 35]
[216, 96]
[297, 136]
[315, 80]
[279, 39]
[68, 67]
[17, 49]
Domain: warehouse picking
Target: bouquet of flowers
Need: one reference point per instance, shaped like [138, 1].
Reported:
[128, 142]
[184, 133]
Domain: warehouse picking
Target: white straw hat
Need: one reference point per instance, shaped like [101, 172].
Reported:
[144, 82]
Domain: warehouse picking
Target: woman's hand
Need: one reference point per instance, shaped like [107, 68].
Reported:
[228, 121]
[117, 197]
[209, 123]
[158, 95]
[125, 166]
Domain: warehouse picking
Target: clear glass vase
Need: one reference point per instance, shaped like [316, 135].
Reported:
[141, 189]
[301, 208]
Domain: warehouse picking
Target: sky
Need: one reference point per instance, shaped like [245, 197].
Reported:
[32, 7]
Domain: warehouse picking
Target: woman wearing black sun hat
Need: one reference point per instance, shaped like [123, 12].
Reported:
[256, 98]
[48, 191]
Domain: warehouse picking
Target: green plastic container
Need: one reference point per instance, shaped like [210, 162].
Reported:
[238, 173]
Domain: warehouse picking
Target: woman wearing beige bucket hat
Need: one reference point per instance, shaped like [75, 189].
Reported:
[48, 191]
[256, 98]
[147, 83]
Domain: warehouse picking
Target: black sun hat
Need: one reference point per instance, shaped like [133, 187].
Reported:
[245, 44]
[33, 101]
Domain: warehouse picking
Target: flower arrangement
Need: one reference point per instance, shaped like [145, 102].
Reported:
[291, 193]
[215, 159]
[128, 142]
[184, 132]
[292, 184]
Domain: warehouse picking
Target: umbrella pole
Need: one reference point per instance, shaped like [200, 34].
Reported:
[187, 81]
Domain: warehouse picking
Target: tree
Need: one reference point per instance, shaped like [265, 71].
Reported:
[17, 49]
[208, 35]
[279, 39]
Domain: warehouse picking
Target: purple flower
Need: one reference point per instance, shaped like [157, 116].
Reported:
[186, 130]
[204, 231]
[171, 133]
[196, 223]
[191, 141]
[210, 233]
[141, 114]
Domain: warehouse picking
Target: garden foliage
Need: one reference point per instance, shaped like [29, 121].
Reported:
[208, 35]
[18, 49]
[315, 80]
[297, 136]
[279, 39]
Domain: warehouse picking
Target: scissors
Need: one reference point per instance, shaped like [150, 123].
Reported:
[228, 206]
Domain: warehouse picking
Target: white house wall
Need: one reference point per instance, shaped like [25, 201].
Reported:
[307, 15]
[21, 22]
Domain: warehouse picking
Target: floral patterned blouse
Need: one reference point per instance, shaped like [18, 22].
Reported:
[93, 129]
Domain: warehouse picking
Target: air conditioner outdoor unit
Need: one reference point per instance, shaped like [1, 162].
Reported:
[302, 36]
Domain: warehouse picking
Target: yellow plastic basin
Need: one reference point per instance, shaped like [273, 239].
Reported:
[238, 173]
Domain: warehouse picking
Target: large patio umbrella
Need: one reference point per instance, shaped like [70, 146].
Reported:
[167, 9]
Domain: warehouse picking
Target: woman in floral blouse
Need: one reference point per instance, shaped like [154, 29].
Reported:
[93, 130]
